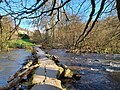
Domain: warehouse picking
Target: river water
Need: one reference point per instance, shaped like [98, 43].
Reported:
[98, 71]
[10, 62]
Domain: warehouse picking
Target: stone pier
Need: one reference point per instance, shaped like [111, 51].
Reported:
[45, 77]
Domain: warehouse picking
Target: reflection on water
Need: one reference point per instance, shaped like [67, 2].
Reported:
[10, 62]
[98, 71]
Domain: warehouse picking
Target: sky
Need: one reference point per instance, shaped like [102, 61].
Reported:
[75, 4]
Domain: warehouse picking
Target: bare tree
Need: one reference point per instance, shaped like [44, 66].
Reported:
[41, 7]
[6, 27]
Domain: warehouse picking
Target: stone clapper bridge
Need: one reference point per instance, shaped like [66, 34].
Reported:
[46, 75]
[44, 70]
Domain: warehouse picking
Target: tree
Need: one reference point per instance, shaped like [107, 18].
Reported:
[5, 31]
[118, 8]
[37, 38]
[42, 9]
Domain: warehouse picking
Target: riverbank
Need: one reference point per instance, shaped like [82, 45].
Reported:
[17, 44]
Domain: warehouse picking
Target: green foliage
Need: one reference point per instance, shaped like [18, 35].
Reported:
[24, 36]
[21, 43]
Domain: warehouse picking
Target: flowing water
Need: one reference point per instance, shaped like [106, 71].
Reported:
[98, 71]
[10, 62]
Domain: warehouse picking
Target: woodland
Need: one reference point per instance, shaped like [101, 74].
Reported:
[81, 26]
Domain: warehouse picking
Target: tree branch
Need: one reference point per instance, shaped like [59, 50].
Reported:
[89, 20]
[99, 12]
[118, 8]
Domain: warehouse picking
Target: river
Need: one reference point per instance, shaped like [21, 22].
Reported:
[98, 71]
[10, 62]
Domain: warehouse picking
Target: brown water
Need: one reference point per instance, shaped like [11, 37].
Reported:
[98, 71]
[10, 62]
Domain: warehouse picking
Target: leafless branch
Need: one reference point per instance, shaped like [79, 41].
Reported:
[90, 18]
[99, 12]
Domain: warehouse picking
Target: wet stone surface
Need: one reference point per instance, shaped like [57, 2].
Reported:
[44, 77]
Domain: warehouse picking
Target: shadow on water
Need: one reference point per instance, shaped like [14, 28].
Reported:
[10, 62]
[98, 71]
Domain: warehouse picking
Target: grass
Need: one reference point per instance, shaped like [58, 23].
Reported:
[21, 43]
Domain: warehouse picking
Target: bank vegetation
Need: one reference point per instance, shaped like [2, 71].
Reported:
[104, 38]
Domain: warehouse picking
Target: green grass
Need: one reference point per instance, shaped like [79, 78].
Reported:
[21, 43]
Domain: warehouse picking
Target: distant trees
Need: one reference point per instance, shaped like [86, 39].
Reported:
[37, 38]
[105, 37]
[61, 20]
[44, 8]
[67, 32]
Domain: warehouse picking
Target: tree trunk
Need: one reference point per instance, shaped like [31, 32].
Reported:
[118, 8]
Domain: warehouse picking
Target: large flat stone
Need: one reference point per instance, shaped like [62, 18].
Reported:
[46, 74]
[47, 81]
